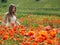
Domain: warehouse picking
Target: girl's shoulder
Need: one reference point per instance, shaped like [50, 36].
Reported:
[6, 13]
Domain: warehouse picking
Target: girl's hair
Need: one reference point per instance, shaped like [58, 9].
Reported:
[10, 13]
[11, 8]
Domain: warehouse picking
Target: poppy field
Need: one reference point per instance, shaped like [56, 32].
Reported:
[34, 30]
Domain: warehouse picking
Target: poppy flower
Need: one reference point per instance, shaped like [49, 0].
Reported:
[58, 43]
[58, 21]
[44, 34]
[53, 33]
[11, 34]
[21, 27]
[34, 43]
[15, 30]
[5, 37]
[26, 34]
[49, 41]
[29, 39]
[31, 33]
[22, 32]
[39, 39]
[1, 32]
[25, 43]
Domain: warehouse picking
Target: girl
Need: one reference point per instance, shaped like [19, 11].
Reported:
[10, 16]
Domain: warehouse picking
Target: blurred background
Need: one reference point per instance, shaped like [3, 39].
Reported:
[39, 7]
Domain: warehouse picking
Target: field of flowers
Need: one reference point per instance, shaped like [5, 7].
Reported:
[34, 30]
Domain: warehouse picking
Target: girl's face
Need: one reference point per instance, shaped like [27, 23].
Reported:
[14, 9]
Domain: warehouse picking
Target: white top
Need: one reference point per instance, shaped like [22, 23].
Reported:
[12, 20]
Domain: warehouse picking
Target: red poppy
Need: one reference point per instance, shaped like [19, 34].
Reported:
[58, 43]
[22, 32]
[31, 33]
[53, 33]
[11, 34]
[39, 39]
[5, 37]
[25, 43]
[34, 43]
[21, 27]
[49, 41]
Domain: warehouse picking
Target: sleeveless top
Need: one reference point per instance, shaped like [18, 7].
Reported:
[12, 20]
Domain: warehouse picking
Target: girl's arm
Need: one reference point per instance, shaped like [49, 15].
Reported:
[18, 23]
[5, 19]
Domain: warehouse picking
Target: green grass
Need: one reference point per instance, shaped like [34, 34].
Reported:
[50, 7]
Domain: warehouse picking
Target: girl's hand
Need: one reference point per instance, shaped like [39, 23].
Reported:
[18, 23]
[3, 24]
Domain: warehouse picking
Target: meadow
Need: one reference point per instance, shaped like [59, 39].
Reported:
[40, 23]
